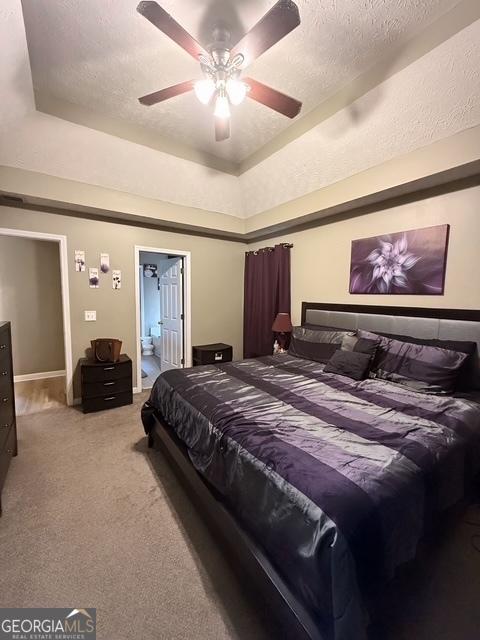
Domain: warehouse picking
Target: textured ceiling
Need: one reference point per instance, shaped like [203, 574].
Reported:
[15, 80]
[103, 55]
[434, 98]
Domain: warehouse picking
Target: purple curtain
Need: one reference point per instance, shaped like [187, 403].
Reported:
[267, 292]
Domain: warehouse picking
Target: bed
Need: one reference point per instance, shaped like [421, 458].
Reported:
[324, 485]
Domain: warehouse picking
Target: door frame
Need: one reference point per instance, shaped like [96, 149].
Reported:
[67, 329]
[187, 306]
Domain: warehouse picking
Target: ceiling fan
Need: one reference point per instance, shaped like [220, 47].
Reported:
[222, 63]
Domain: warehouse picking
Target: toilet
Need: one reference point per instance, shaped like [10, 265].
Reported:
[156, 334]
[147, 346]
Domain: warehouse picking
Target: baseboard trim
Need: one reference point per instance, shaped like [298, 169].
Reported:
[39, 376]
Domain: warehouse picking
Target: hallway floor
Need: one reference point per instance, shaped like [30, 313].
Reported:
[33, 396]
[151, 365]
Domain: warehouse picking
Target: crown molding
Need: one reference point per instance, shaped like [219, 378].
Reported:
[454, 179]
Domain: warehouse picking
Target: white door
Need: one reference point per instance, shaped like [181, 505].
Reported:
[171, 313]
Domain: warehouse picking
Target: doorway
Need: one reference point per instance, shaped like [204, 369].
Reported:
[162, 287]
[50, 384]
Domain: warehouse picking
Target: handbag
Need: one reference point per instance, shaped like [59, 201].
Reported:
[106, 349]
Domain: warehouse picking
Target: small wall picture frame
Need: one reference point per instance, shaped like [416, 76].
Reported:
[93, 279]
[104, 262]
[79, 260]
[116, 279]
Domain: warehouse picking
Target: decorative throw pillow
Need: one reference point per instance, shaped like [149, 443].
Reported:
[352, 342]
[469, 375]
[425, 368]
[314, 343]
[352, 364]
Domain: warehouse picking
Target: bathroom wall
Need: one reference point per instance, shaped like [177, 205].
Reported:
[151, 294]
[30, 297]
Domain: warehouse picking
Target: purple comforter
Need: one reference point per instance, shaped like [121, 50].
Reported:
[336, 479]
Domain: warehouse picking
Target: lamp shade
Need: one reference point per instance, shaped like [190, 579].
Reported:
[282, 323]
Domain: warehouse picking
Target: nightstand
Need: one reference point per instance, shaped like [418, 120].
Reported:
[212, 354]
[106, 385]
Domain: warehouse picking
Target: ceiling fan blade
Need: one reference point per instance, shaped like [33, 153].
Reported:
[272, 98]
[282, 18]
[222, 129]
[165, 94]
[170, 27]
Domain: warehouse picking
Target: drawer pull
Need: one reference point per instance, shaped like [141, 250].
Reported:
[108, 384]
[3, 346]
[3, 426]
[4, 373]
[110, 398]
[9, 451]
[4, 399]
[108, 368]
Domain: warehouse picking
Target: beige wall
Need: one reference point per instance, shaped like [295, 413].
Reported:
[31, 298]
[321, 256]
[320, 266]
[217, 279]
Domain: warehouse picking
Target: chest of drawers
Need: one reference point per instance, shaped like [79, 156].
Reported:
[106, 385]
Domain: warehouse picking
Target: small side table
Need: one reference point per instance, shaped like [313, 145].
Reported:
[106, 385]
[212, 353]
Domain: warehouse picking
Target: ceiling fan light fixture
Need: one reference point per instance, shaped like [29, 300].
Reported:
[204, 90]
[236, 90]
[222, 107]
[221, 85]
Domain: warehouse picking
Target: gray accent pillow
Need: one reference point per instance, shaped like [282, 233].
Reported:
[353, 364]
[316, 344]
[425, 368]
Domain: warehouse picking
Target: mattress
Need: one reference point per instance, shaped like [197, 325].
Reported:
[335, 479]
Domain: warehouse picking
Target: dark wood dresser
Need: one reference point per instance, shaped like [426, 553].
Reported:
[211, 353]
[8, 426]
[106, 385]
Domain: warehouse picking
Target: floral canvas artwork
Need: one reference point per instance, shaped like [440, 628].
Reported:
[408, 262]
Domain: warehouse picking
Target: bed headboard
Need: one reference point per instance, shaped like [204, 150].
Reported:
[445, 324]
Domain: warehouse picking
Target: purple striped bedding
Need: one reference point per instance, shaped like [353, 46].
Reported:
[335, 478]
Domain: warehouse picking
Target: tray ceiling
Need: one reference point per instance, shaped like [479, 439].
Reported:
[103, 55]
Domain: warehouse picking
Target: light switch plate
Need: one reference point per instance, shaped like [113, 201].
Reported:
[90, 316]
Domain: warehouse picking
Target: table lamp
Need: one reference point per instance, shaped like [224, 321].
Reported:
[281, 326]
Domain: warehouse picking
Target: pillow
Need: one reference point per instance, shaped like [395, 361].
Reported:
[351, 342]
[353, 364]
[468, 375]
[316, 344]
[430, 369]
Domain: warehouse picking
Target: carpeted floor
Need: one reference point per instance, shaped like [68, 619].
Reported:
[94, 519]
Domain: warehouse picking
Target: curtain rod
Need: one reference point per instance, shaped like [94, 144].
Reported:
[285, 245]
